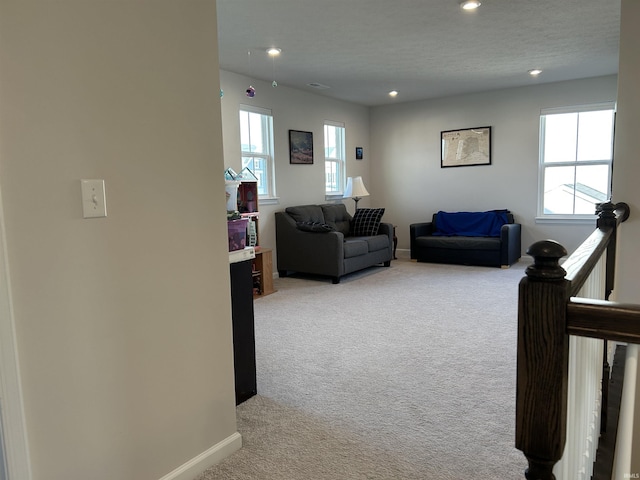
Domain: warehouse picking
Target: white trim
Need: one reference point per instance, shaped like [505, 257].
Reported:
[340, 160]
[254, 109]
[579, 108]
[543, 165]
[269, 200]
[334, 123]
[266, 132]
[331, 197]
[206, 459]
[18, 463]
[569, 219]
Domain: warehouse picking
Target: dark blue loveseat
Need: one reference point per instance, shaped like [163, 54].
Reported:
[489, 239]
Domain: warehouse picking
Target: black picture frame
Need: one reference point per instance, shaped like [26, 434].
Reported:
[359, 153]
[300, 147]
[465, 147]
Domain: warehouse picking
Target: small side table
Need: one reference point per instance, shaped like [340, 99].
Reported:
[263, 272]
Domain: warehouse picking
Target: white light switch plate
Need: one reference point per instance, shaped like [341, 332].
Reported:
[94, 201]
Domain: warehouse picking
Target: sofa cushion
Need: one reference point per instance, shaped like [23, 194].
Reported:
[470, 224]
[306, 213]
[459, 243]
[336, 215]
[366, 221]
[375, 242]
[314, 227]
[354, 247]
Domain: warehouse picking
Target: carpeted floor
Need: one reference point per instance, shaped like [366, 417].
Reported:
[405, 372]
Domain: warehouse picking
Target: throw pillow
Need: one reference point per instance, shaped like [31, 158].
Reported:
[366, 221]
[315, 227]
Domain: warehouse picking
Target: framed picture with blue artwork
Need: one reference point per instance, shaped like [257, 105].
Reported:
[300, 147]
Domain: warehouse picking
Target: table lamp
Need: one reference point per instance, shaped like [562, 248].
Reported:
[355, 189]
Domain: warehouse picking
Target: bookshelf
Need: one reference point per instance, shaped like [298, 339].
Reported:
[262, 266]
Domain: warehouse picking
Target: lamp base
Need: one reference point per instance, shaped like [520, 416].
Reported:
[356, 199]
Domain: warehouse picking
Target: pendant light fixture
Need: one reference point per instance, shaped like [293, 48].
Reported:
[273, 52]
[250, 92]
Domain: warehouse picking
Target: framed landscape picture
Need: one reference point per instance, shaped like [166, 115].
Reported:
[300, 147]
[461, 148]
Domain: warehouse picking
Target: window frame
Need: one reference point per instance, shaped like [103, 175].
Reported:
[268, 156]
[340, 160]
[543, 217]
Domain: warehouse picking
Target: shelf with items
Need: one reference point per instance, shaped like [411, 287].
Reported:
[246, 204]
[247, 208]
[252, 228]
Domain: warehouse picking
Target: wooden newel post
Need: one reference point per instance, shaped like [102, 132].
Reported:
[543, 361]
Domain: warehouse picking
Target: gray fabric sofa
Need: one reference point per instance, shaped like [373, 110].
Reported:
[498, 246]
[319, 240]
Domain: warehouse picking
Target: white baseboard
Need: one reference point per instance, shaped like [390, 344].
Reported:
[206, 459]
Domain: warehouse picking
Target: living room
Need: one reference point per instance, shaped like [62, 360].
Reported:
[121, 325]
[401, 144]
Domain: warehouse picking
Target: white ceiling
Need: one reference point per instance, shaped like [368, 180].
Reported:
[362, 49]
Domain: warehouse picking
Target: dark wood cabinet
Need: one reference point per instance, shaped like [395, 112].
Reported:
[244, 349]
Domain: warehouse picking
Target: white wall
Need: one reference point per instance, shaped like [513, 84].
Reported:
[123, 323]
[294, 109]
[405, 145]
[627, 173]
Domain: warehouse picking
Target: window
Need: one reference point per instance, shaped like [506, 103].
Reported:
[334, 158]
[256, 138]
[576, 157]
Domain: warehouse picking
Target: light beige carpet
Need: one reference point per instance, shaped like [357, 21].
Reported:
[405, 372]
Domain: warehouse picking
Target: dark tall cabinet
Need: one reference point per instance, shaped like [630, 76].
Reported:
[244, 349]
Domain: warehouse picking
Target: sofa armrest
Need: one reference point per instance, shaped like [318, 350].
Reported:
[418, 230]
[510, 243]
[321, 253]
[387, 229]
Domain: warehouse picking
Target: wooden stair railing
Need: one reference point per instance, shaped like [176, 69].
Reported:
[547, 315]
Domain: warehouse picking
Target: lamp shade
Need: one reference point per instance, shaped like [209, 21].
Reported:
[355, 188]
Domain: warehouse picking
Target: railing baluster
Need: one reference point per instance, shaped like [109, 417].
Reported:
[543, 356]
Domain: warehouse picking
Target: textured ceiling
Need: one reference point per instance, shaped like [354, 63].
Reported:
[362, 49]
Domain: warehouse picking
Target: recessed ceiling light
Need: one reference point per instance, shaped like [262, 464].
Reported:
[274, 51]
[393, 93]
[470, 4]
[535, 72]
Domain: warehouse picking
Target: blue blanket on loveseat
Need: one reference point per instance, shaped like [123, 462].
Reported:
[470, 224]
